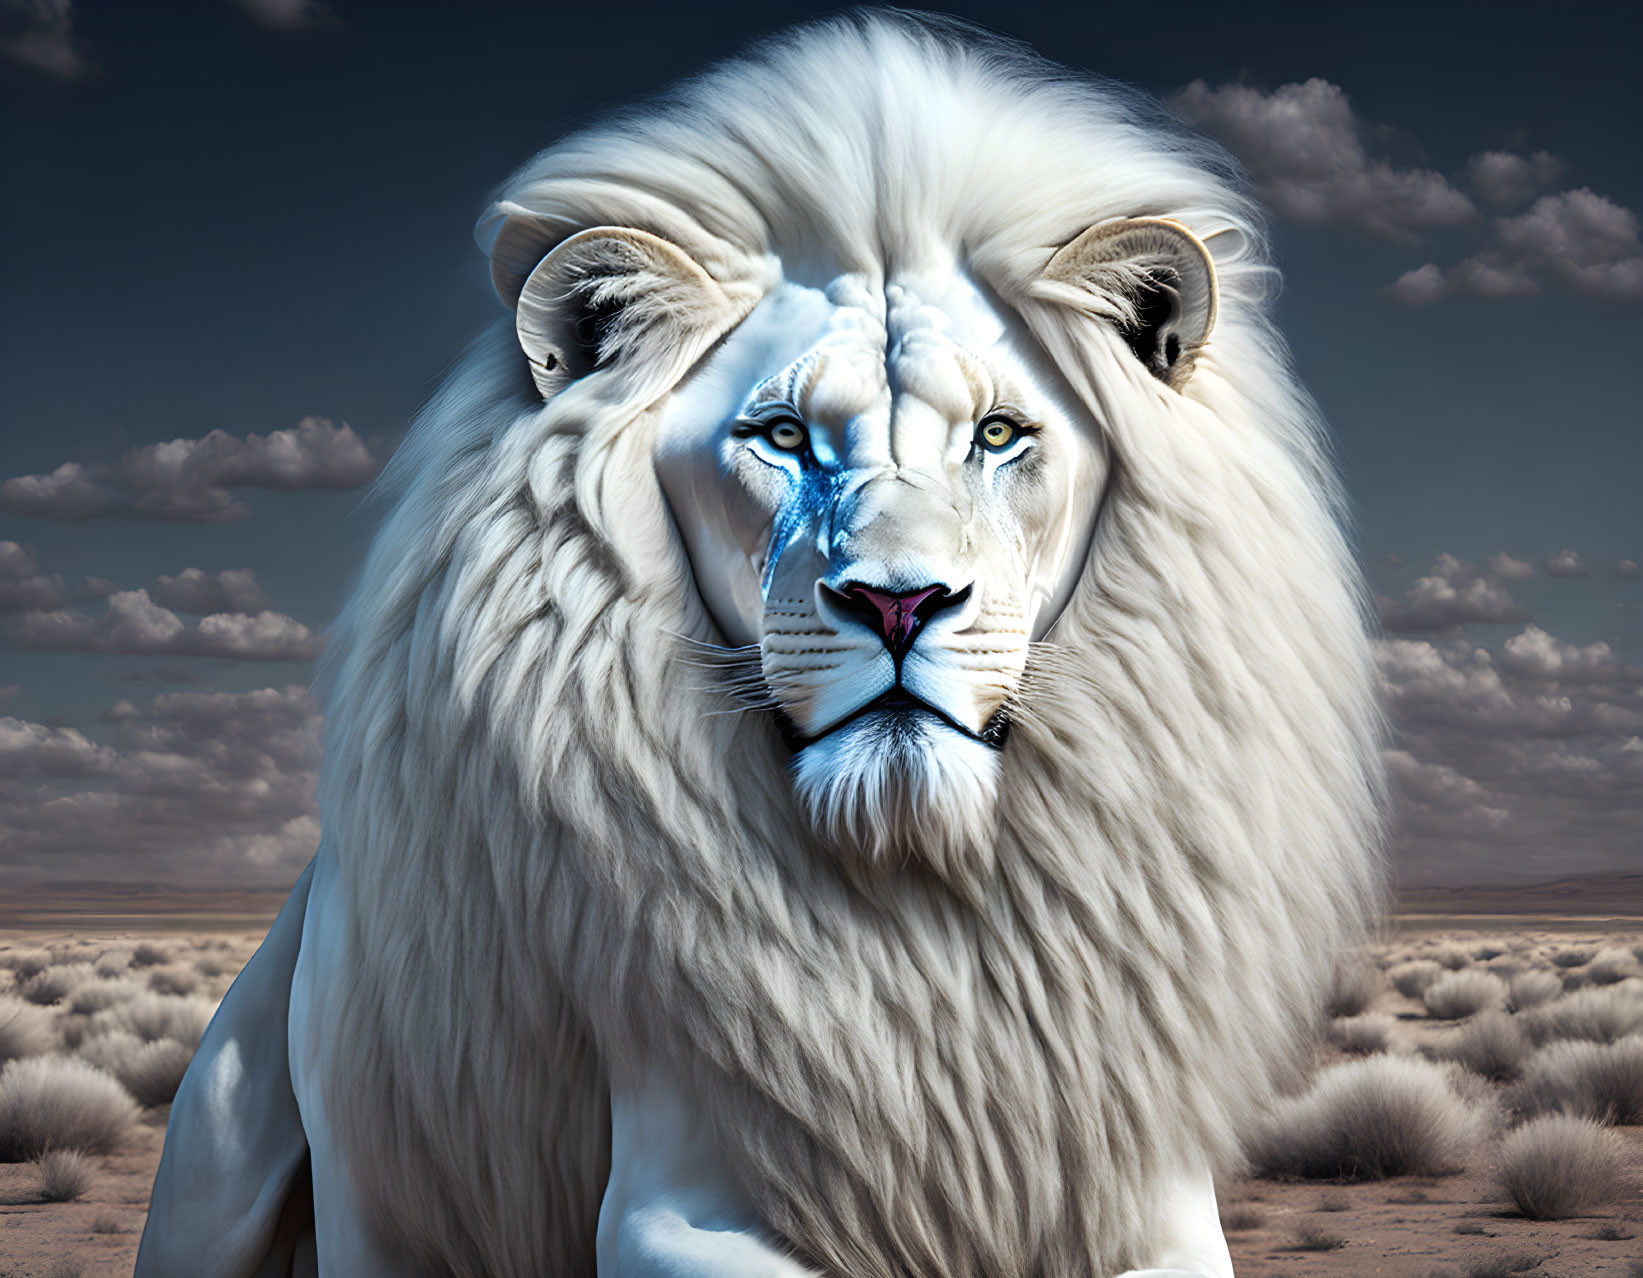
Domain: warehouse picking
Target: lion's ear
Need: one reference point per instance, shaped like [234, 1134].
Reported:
[1162, 280]
[611, 295]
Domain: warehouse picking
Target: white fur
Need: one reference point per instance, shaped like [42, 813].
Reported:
[556, 865]
[884, 786]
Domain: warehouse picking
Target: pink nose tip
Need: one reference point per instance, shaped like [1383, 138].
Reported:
[897, 617]
[898, 614]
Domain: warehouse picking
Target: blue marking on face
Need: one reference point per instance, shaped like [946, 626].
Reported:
[813, 487]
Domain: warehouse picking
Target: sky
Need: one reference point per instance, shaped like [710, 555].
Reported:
[236, 252]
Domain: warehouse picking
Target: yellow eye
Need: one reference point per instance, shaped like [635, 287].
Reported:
[787, 434]
[997, 433]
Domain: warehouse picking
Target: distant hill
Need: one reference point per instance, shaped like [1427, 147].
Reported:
[104, 907]
[1596, 896]
[70, 907]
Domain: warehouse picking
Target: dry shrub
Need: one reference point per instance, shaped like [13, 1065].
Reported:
[173, 979]
[1452, 957]
[52, 984]
[148, 954]
[1611, 966]
[73, 951]
[1493, 1045]
[55, 1102]
[1506, 1265]
[1476, 1091]
[1486, 950]
[1573, 956]
[1414, 978]
[1355, 986]
[1369, 1119]
[155, 1016]
[113, 963]
[107, 1224]
[65, 1174]
[1558, 1166]
[1596, 1015]
[1236, 1220]
[153, 1072]
[98, 996]
[210, 965]
[25, 1030]
[1362, 1035]
[1458, 995]
[1531, 989]
[110, 1051]
[1334, 1202]
[1599, 1081]
[1311, 1237]
[27, 963]
[72, 1028]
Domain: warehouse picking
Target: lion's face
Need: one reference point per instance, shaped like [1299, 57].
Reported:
[889, 492]
[885, 490]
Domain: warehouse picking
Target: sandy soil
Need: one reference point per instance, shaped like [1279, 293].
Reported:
[1426, 1227]
[95, 1237]
[1448, 1227]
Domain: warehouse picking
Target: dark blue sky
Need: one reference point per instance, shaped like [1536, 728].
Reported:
[234, 216]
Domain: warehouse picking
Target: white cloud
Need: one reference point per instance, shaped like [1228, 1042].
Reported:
[1576, 240]
[135, 624]
[24, 589]
[1589, 242]
[1505, 180]
[16, 561]
[1505, 567]
[1303, 148]
[189, 480]
[231, 590]
[201, 786]
[1534, 654]
[1524, 763]
[21, 587]
[40, 34]
[1565, 564]
[33, 749]
[1626, 568]
[1452, 593]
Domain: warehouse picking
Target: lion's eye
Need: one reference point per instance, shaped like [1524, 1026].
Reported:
[997, 433]
[787, 434]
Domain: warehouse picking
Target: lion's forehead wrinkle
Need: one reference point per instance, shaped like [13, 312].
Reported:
[847, 394]
[894, 374]
[857, 300]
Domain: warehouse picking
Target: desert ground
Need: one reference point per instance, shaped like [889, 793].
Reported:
[1484, 1067]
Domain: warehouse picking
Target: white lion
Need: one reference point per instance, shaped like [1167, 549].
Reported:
[855, 747]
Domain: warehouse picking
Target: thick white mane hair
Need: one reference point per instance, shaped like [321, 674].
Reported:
[561, 864]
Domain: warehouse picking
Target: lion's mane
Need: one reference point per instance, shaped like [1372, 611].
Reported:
[559, 862]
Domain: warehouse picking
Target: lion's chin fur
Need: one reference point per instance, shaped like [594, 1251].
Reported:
[894, 785]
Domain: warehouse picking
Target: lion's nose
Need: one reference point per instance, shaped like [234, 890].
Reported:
[896, 617]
